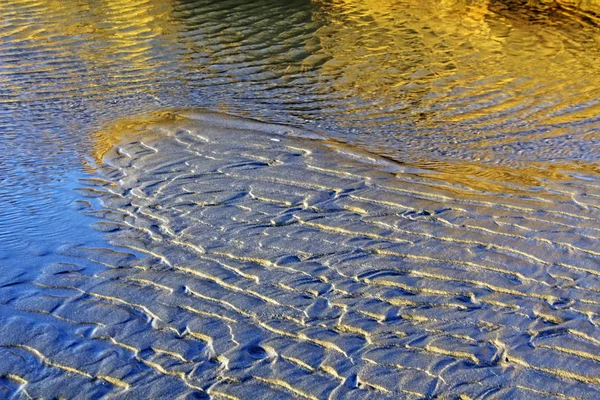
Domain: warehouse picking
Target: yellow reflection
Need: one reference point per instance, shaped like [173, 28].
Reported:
[583, 5]
[503, 179]
[379, 46]
[86, 38]
[132, 128]
[473, 63]
[417, 54]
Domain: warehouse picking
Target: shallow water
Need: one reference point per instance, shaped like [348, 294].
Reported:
[416, 216]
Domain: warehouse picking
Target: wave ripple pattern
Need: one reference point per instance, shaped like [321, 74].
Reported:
[252, 262]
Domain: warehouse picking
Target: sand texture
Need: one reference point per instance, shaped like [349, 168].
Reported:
[247, 261]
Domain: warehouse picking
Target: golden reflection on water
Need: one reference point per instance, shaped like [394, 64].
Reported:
[473, 79]
[427, 51]
[81, 42]
[502, 179]
[470, 66]
[135, 127]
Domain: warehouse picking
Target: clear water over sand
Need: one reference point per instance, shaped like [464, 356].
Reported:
[416, 216]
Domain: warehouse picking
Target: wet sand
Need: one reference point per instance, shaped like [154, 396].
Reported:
[446, 249]
[256, 260]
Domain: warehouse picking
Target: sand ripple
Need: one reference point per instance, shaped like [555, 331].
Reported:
[249, 261]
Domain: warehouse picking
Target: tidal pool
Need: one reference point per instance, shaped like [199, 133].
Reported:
[305, 199]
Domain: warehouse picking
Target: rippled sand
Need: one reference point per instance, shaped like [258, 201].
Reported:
[259, 261]
[262, 261]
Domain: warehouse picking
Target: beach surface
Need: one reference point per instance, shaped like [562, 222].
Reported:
[299, 199]
[258, 260]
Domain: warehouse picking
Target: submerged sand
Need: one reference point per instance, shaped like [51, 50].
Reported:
[250, 260]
